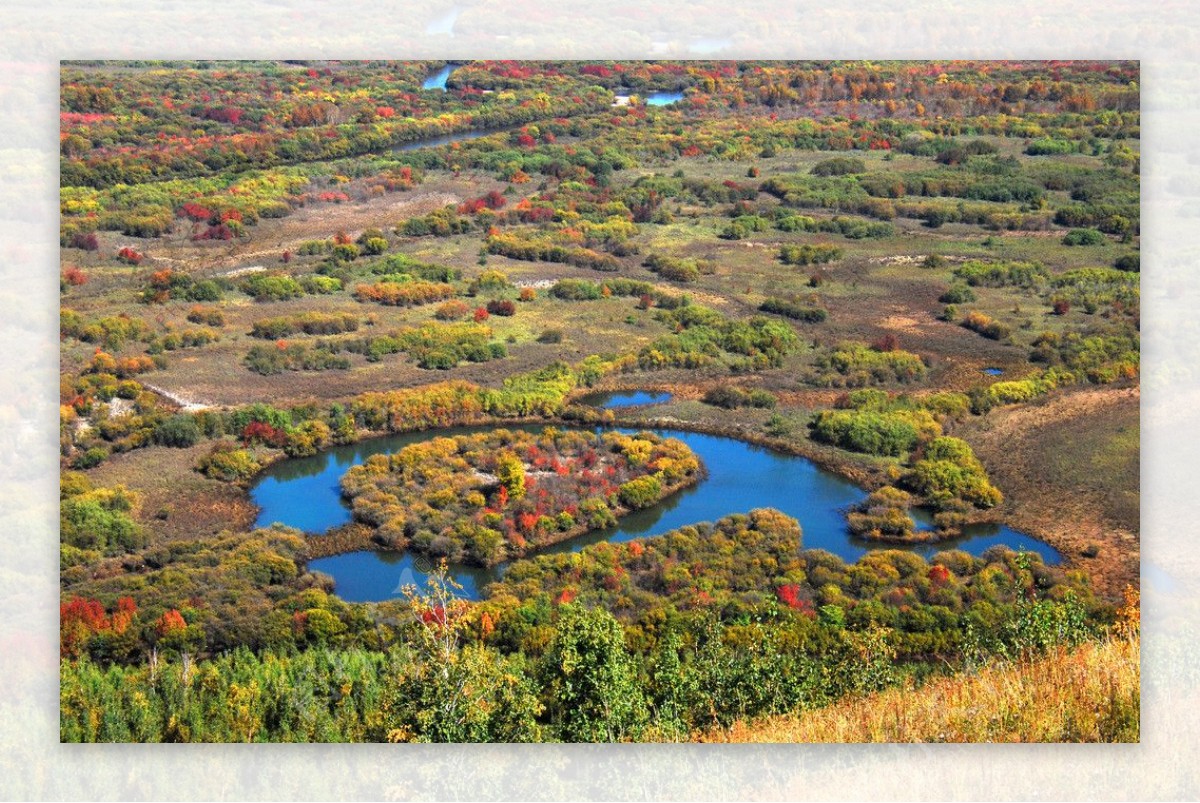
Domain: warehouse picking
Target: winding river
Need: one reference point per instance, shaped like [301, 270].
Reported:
[304, 493]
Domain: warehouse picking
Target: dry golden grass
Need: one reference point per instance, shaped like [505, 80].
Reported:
[1091, 694]
[1068, 465]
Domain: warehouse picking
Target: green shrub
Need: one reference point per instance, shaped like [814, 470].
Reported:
[805, 254]
[1129, 262]
[950, 471]
[839, 166]
[1083, 237]
[854, 364]
[724, 396]
[269, 287]
[794, 310]
[1002, 274]
[887, 434]
[674, 269]
[576, 290]
[957, 294]
[640, 493]
[228, 463]
[179, 431]
[320, 285]
[883, 515]
[101, 519]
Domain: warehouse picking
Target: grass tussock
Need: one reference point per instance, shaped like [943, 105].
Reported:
[1090, 694]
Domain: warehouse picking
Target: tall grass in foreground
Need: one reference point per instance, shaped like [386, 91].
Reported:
[1089, 694]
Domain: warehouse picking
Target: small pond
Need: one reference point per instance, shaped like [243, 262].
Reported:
[304, 493]
[446, 139]
[993, 371]
[663, 98]
[616, 399]
[651, 99]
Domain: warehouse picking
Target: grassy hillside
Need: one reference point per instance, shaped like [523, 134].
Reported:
[1090, 694]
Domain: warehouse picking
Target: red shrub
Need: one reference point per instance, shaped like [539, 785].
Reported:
[196, 212]
[129, 256]
[263, 433]
[74, 276]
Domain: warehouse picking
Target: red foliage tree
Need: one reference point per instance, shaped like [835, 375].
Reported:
[170, 622]
[82, 618]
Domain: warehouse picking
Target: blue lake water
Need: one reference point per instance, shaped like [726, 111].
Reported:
[446, 139]
[663, 98]
[304, 493]
[438, 79]
[615, 400]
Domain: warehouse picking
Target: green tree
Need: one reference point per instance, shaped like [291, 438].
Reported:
[591, 680]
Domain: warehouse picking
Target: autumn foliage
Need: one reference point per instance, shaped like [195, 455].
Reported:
[81, 620]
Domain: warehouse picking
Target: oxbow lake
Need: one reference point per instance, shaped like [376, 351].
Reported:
[304, 493]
